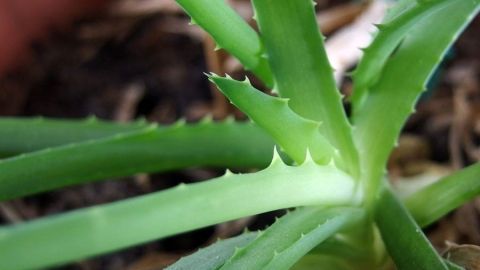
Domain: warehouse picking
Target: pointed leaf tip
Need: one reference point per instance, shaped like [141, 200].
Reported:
[380, 26]
[207, 119]
[331, 163]
[181, 186]
[308, 157]
[228, 173]
[211, 76]
[182, 121]
[229, 119]
[276, 159]
[247, 81]
[192, 22]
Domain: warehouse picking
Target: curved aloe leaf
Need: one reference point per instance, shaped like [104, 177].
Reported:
[21, 135]
[403, 238]
[290, 237]
[392, 98]
[391, 33]
[307, 241]
[434, 201]
[215, 255]
[147, 150]
[301, 69]
[187, 207]
[292, 132]
[294, 226]
[231, 33]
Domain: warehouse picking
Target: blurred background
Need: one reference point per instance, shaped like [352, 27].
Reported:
[124, 59]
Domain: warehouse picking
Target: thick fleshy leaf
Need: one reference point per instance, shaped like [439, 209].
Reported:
[231, 33]
[215, 255]
[291, 237]
[292, 132]
[146, 150]
[100, 229]
[390, 34]
[301, 70]
[403, 238]
[391, 100]
[307, 241]
[23, 134]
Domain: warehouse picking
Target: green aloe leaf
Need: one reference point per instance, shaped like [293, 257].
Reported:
[291, 237]
[20, 135]
[436, 200]
[398, 8]
[148, 150]
[343, 247]
[403, 238]
[292, 132]
[288, 257]
[215, 255]
[301, 70]
[318, 261]
[392, 98]
[184, 208]
[231, 33]
[390, 34]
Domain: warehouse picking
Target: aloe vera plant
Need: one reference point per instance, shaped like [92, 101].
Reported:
[328, 168]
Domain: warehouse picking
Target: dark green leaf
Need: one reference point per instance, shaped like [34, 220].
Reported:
[403, 238]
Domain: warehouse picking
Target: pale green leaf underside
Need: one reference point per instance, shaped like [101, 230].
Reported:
[231, 33]
[148, 149]
[301, 70]
[133, 221]
[292, 132]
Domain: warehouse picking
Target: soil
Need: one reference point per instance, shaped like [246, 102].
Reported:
[121, 66]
